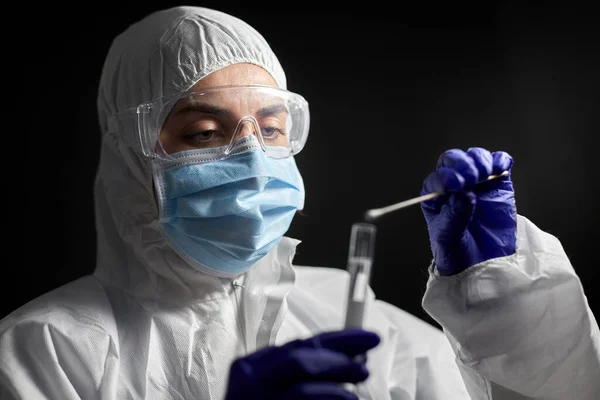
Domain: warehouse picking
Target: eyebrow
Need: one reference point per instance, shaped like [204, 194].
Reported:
[271, 110]
[203, 108]
[221, 112]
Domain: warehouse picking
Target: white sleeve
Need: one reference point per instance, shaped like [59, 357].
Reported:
[520, 325]
[60, 346]
[40, 360]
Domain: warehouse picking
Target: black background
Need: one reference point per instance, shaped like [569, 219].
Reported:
[389, 90]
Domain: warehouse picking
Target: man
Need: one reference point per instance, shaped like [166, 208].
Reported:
[195, 295]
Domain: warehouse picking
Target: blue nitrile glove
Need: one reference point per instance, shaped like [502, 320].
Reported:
[312, 368]
[470, 224]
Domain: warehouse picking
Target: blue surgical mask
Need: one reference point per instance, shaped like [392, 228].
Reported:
[223, 216]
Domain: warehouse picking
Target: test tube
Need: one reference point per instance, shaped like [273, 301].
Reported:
[360, 261]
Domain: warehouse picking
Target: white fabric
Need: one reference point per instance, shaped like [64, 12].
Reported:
[517, 324]
[163, 54]
[521, 324]
[147, 326]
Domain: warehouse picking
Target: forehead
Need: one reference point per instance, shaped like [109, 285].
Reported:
[236, 74]
[231, 102]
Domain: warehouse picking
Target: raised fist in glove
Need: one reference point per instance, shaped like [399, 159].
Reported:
[476, 219]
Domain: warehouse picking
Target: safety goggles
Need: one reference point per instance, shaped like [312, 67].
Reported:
[216, 119]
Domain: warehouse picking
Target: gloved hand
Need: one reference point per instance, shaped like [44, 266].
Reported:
[312, 368]
[470, 224]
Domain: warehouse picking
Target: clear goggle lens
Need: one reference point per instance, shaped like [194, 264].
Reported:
[219, 118]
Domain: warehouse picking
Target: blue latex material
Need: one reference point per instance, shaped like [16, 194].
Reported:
[471, 223]
[312, 368]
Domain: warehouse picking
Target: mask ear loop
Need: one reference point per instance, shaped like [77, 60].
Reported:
[238, 130]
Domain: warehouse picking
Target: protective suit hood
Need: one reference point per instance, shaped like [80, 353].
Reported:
[163, 54]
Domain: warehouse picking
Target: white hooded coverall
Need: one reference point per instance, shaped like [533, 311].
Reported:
[147, 326]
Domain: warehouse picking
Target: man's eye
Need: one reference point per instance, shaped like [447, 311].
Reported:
[203, 135]
[271, 131]
[202, 138]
